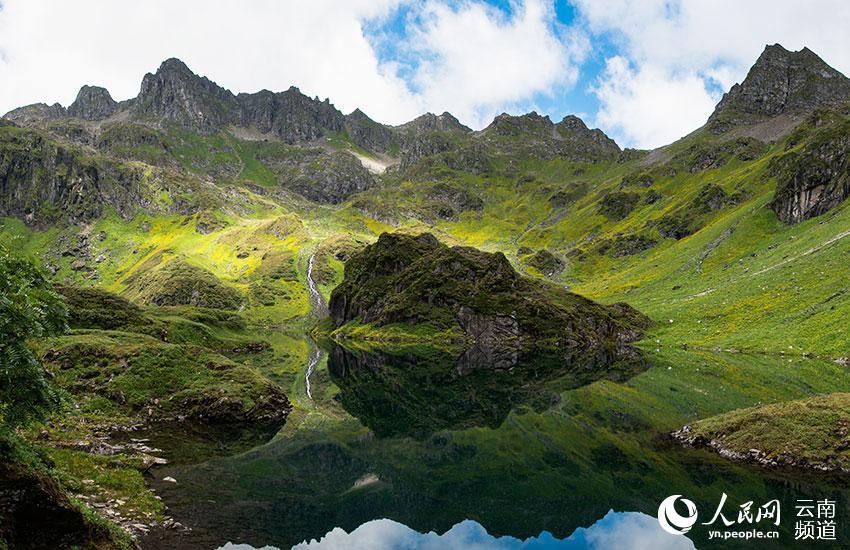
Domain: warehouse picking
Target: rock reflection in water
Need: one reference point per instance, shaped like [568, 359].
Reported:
[423, 390]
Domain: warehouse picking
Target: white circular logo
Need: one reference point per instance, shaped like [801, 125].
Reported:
[671, 521]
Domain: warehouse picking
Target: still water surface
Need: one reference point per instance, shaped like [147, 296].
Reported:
[422, 449]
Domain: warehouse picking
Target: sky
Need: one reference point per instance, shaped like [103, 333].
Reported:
[632, 530]
[646, 72]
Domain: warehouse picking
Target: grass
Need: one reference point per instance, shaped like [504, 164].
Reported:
[812, 431]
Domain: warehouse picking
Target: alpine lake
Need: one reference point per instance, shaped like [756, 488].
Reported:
[503, 450]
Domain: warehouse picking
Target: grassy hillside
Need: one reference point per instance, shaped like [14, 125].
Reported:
[684, 234]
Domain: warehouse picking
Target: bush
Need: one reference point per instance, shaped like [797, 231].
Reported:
[29, 308]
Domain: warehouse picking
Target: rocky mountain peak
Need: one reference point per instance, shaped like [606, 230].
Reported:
[175, 94]
[35, 113]
[780, 82]
[290, 115]
[93, 103]
[445, 122]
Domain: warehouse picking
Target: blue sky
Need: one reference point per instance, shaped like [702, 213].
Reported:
[646, 72]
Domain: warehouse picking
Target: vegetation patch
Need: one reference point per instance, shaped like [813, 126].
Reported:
[178, 283]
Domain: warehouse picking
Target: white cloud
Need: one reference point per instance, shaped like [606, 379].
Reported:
[475, 60]
[673, 43]
[647, 107]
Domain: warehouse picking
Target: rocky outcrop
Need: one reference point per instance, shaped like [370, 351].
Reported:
[815, 179]
[174, 94]
[780, 82]
[290, 115]
[93, 103]
[445, 122]
[35, 114]
[418, 280]
[42, 182]
[369, 134]
[36, 513]
[537, 136]
[582, 141]
[332, 178]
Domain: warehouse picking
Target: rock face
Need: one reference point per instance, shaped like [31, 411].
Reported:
[780, 82]
[35, 513]
[41, 181]
[35, 113]
[542, 138]
[332, 178]
[175, 94]
[289, 115]
[445, 122]
[93, 103]
[369, 134]
[815, 179]
[418, 280]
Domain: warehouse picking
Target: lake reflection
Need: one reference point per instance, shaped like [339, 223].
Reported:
[420, 391]
[429, 440]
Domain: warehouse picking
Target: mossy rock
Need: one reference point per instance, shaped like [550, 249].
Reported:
[627, 245]
[545, 262]
[618, 204]
[416, 280]
[178, 283]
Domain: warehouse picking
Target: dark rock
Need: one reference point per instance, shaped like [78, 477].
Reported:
[290, 115]
[406, 279]
[627, 245]
[815, 179]
[174, 94]
[93, 103]
[618, 204]
[675, 226]
[545, 262]
[42, 182]
[369, 134]
[652, 196]
[457, 198]
[333, 178]
[445, 122]
[710, 199]
[36, 513]
[35, 114]
[780, 82]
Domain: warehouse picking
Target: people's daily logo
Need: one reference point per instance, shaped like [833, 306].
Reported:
[671, 520]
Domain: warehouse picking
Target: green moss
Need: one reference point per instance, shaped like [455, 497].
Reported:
[808, 433]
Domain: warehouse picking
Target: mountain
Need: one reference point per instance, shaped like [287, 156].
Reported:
[780, 82]
[174, 94]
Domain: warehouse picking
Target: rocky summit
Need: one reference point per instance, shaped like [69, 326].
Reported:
[781, 82]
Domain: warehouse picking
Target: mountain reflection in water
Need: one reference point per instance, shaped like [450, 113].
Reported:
[423, 390]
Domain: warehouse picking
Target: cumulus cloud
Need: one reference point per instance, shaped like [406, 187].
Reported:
[475, 60]
[673, 45]
[647, 106]
[467, 56]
